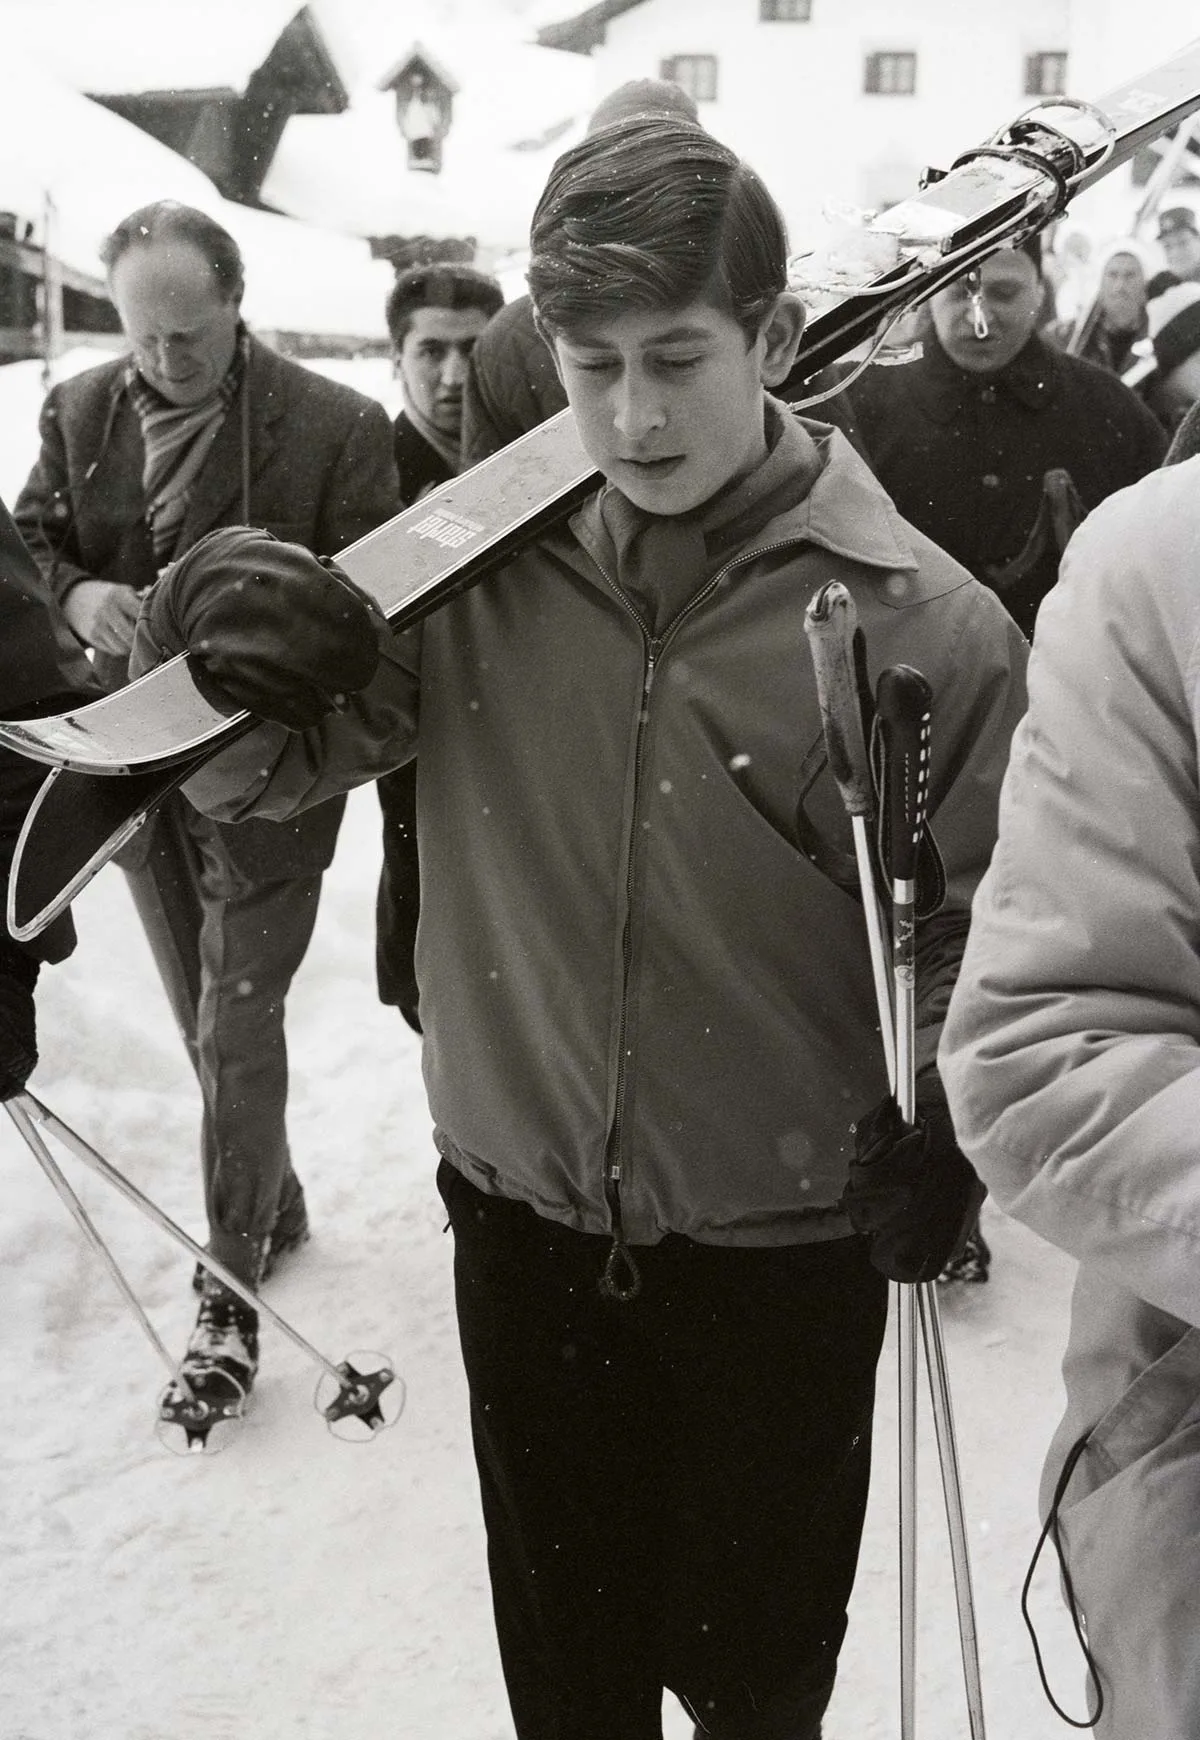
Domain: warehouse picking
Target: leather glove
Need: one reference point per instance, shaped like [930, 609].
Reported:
[18, 1030]
[270, 627]
[912, 1191]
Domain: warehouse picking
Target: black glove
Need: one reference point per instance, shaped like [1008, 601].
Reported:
[270, 626]
[912, 1191]
[18, 1030]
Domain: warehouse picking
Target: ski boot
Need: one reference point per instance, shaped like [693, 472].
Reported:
[972, 1264]
[217, 1372]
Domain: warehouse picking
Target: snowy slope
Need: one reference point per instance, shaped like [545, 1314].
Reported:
[297, 1588]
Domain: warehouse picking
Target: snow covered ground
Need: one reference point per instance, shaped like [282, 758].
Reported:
[294, 1587]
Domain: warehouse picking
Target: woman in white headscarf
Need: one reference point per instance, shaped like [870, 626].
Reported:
[1113, 318]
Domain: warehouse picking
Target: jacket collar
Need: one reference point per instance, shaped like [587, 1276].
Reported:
[1031, 378]
[845, 511]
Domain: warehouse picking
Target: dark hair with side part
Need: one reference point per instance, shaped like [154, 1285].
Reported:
[168, 221]
[441, 284]
[654, 213]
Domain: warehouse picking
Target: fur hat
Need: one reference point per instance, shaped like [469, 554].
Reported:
[1174, 318]
[1175, 220]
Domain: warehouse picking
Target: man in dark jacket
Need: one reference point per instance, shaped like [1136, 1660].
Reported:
[1179, 239]
[993, 442]
[42, 670]
[435, 314]
[198, 427]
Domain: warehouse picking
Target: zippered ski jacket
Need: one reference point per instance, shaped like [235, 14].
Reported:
[642, 1003]
[1072, 1060]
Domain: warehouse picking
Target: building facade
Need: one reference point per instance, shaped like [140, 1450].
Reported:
[840, 102]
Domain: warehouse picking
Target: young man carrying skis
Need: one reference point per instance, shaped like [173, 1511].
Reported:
[649, 1017]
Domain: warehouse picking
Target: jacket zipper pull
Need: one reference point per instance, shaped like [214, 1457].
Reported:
[653, 648]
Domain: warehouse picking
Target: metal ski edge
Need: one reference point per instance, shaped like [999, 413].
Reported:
[28, 909]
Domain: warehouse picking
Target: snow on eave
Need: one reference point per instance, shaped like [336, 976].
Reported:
[585, 30]
[126, 47]
[418, 51]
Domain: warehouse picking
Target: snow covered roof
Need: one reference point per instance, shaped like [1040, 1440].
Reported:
[584, 30]
[111, 47]
[96, 168]
[418, 52]
[517, 107]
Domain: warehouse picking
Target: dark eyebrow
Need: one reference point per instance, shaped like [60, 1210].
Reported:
[673, 335]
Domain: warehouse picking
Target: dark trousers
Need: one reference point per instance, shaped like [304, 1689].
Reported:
[673, 1487]
[227, 948]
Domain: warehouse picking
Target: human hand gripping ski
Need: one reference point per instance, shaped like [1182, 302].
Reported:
[904, 1191]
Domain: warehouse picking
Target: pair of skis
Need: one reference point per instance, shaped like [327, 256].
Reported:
[902, 724]
[159, 730]
[357, 1397]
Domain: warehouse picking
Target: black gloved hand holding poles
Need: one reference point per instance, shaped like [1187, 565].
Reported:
[911, 1189]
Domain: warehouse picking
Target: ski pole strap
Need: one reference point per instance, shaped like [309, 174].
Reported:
[838, 655]
[1051, 1531]
[903, 708]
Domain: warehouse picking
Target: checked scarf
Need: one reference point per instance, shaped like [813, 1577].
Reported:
[177, 440]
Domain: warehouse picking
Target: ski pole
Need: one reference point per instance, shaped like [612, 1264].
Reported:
[358, 1394]
[836, 644]
[835, 641]
[837, 651]
[929, 1307]
[33, 1141]
[901, 741]
[903, 708]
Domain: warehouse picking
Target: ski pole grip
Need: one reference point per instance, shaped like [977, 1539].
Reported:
[831, 624]
[903, 707]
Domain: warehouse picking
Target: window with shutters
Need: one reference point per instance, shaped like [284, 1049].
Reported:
[890, 75]
[1046, 73]
[694, 73]
[784, 11]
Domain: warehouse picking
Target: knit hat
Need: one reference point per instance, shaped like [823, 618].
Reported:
[642, 99]
[1174, 319]
[1175, 220]
[269, 626]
